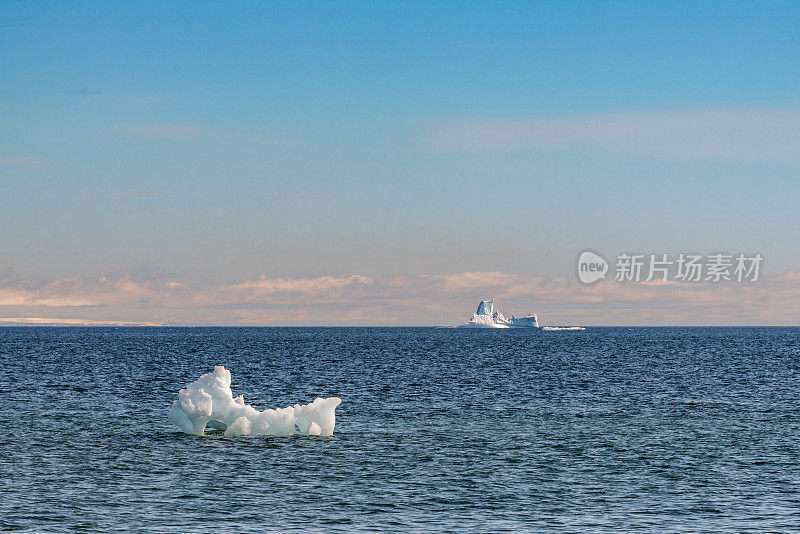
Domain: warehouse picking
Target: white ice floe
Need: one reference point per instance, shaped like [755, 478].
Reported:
[209, 401]
[563, 328]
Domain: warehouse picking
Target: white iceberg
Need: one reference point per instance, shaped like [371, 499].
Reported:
[209, 401]
[488, 317]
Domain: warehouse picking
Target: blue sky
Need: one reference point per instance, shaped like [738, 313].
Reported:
[210, 145]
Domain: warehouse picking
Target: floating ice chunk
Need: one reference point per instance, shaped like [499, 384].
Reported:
[209, 401]
[240, 427]
[320, 414]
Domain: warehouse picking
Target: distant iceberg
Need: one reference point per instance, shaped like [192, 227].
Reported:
[488, 317]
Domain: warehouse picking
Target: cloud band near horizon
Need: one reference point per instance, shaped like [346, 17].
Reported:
[153, 297]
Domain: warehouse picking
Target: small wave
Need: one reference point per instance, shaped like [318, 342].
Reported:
[705, 401]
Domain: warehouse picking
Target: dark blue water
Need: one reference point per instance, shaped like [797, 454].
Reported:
[673, 429]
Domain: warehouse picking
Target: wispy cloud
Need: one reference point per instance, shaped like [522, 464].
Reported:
[288, 290]
[24, 162]
[57, 321]
[165, 130]
[144, 99]
[294, 195]
[729, 134]
[139, 193]
[159, 297]
[328, 197]
[83, 92]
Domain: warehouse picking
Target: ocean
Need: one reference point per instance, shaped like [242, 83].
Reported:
[439, 430]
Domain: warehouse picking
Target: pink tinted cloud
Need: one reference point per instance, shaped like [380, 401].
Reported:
[416, 300]
[24, 162]
[165, 130]
[723, 133]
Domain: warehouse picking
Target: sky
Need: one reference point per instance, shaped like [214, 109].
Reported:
[387, 163]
